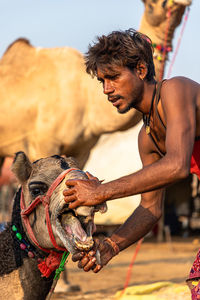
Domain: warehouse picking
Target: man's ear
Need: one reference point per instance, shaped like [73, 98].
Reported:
[141, 70]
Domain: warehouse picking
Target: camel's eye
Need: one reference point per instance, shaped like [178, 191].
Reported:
[37, 188]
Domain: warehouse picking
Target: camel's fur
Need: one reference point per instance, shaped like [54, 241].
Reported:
[19, 275]
[49, 104]
[16, 270]
[159, 21]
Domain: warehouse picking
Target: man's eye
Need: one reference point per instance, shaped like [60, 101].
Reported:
[114, 77]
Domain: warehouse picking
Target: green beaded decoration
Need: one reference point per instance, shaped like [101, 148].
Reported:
[14, 228]
[19, 236]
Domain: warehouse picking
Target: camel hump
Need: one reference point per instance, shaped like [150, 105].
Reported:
[18, 43]
[17, 58]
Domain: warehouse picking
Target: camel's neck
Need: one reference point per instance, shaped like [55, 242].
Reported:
[17, 270]
[19, 274]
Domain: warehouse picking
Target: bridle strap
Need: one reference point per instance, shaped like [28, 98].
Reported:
[25, 212]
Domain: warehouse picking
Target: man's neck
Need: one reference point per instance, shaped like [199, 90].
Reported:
[145, 104]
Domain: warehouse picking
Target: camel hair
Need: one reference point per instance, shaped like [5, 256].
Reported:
[33, 242]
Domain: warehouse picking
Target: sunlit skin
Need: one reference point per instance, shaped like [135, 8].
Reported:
[179, 109]
[122, 86]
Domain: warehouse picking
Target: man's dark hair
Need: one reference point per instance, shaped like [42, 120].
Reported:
[121, 48]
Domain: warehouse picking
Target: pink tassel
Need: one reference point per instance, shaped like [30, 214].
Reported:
[50, 263]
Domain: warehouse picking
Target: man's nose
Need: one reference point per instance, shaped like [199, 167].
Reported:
[108, 87]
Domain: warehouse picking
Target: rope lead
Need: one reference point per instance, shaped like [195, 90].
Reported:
[57, 274]
[62, 265]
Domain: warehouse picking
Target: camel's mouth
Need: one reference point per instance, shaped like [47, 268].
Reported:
[74, 230]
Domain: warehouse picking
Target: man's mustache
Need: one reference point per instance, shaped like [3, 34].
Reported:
[114, 98]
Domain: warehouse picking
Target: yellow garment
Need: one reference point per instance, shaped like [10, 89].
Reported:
[156, 291]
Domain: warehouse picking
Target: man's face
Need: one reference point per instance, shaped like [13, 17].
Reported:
[123, 87]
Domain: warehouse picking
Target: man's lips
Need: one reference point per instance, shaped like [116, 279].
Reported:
[114, 100]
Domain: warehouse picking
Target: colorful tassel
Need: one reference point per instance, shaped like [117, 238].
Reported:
[50, 263]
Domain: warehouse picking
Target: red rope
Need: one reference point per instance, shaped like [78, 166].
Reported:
[165, 43]
[179, 42]
[128, 275]
[25, 212]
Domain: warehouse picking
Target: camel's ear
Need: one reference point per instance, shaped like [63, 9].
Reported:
[21, 167]
[72, 162]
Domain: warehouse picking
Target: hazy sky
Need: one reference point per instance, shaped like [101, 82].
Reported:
[75, 23]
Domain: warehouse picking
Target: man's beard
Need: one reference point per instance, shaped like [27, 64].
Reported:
[126, 109]
[133, 104]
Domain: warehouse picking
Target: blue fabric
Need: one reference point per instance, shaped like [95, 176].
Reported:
[2, 226]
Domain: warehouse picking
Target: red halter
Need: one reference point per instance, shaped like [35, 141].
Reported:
[25, 212]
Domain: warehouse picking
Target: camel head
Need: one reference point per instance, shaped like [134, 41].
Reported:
[156, 10]
[159, 21]
[72, 229]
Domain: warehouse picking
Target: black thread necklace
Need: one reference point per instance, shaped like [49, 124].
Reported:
[146, 119]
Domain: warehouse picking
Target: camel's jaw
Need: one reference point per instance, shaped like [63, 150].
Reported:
[75, 231]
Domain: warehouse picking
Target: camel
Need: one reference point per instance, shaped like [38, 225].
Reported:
[59, 107]
[46, 93]
[42, 227]
[159, 21]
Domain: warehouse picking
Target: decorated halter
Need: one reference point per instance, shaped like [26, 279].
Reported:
[55, 260]
[45, 200]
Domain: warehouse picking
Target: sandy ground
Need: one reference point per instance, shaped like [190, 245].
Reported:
[155, 262]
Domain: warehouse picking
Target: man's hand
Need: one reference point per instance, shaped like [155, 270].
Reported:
[106, 249]
[82, 192]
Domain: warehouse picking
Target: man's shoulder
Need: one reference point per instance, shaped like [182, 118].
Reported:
[178, 81]
[178, 86]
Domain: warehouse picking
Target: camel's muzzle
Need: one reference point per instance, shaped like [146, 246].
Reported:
[78, 229]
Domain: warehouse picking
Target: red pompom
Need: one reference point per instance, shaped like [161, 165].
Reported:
[50, 264]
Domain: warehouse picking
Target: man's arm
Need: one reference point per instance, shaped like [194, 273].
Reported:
[179, 112]
[136, 226]
[149, 211]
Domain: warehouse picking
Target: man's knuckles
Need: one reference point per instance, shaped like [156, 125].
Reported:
[90, 265]
[97, 268]
[77, 256]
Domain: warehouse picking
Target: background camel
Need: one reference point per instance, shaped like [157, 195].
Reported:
[159, 21]
[59, 108]
[50, 105]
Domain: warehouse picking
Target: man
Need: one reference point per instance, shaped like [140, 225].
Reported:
[123, 63]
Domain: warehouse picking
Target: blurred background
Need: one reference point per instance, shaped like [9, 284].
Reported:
[51, 23]
[65, 23]
[75, 24]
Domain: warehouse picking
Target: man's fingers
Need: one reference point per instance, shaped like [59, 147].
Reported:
[73, 205]
[71, 182]
[97, 268]
[82, 263]
[77, 256]
[90, 264]
[70, 198]
[91, 177]
[91, 253]
[69, 192]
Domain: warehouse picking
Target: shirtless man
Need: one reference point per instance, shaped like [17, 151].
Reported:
[168, 141]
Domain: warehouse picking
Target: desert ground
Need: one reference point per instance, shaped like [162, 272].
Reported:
[155, 262]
